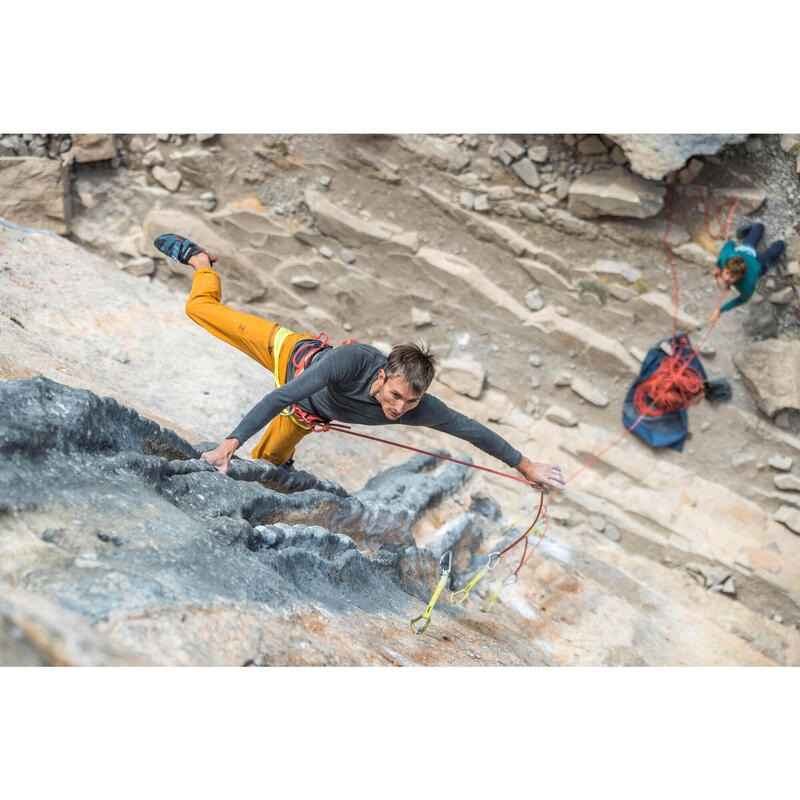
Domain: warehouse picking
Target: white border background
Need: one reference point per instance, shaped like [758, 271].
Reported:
[440, 66]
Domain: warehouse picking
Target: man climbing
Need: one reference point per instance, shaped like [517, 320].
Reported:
[315, 382]
[742, 266]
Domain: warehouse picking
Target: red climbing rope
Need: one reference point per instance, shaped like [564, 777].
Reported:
[675, 384]
[335, 426]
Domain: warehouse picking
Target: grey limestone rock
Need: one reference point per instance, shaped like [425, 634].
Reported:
[654, 155]
[116, 519]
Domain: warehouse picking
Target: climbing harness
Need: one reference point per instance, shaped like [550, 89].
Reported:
[304, 354]
[447, 559]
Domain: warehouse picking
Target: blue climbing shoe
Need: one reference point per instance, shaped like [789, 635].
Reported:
[288, 466]
[179, 248]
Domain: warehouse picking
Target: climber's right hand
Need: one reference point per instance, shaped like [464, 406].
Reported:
[220, 457]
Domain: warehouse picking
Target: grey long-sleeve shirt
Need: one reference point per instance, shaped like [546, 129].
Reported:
[335, 386]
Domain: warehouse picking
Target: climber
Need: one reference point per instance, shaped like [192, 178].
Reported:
[318, 383]
[741, 266]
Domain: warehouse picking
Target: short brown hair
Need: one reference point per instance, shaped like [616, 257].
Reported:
[737, 267]
[415, 364]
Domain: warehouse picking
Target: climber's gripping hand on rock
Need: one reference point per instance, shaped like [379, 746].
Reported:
[220, 457]
[549, 476]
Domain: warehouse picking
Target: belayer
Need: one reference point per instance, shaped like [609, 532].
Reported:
[741, 265]
[319, 383]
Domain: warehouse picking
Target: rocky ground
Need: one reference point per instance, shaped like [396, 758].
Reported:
[534, 267]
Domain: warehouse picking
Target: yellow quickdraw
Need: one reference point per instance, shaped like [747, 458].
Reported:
[487, 603]
[509, 580]
[490, 565]
[447, 558]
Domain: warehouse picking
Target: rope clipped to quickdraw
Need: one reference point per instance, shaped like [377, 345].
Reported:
[538, 527]
[494, 558]
[446, 559]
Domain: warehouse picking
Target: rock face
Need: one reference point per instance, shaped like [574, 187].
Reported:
[34, 193]
[615, 192]
[654, 155]
[108, 517]
[771, 370]
[88, 147]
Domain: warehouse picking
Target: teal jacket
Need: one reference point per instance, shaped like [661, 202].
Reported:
[747, 285]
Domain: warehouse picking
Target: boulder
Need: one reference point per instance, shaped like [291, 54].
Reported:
[790, 517]
[34, 192]
[592, 146]
[788, 483]
[771, 371]
[194, 165]
[535, 300]
[88, 147]
[750, 199]
[462, 375]
[695, 254]
[442, 154]
[615, 270]
[560, 416]
[790, 142]
[531, 212]
[654, 155]
[567, 223]
[512, 148]
[615, 192]
[538, 153]
[421, 318]
[592, 394]
[170, 180]
[526, 171]
[781, 463]
[305, 282]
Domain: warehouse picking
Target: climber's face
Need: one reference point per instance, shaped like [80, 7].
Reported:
[394, 395]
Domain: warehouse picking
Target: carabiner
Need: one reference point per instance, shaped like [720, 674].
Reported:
[446, 559]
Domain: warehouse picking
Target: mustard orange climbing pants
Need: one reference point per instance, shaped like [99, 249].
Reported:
[255, 337]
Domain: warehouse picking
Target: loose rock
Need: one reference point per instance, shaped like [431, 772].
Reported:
[790, 517]
[512, 148]
[305, 282]
[560, 416]
[535, 300]
[615, 192]
[153, 159]
[771, 371]
[421, 318]
[592, 394]
[538, 153]
[526, 171]
[169, 180]
[788, 483]
[782, 463]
